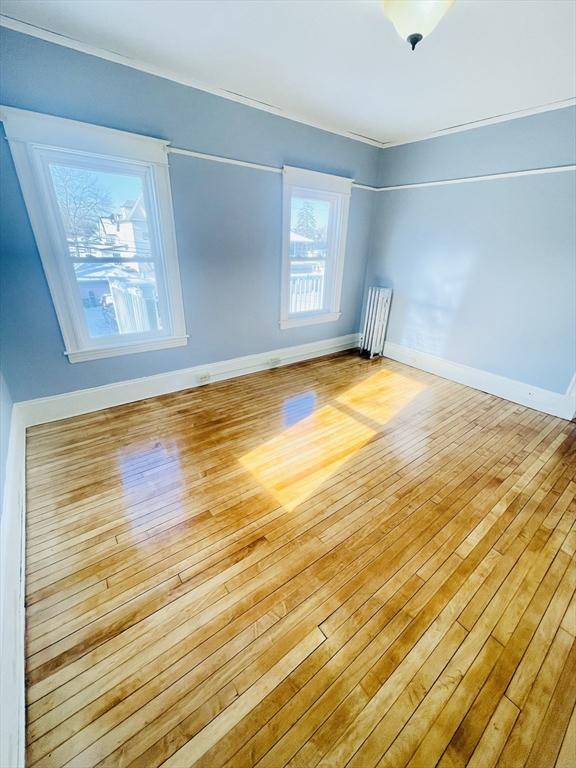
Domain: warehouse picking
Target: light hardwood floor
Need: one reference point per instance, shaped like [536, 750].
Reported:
[342, 562]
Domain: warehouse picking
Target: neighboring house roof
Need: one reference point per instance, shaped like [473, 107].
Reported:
[93, 271]
[296, 237]
[130, 211]
[135, 210]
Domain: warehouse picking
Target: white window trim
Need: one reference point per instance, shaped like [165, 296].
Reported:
[31, 133]
[299, 179]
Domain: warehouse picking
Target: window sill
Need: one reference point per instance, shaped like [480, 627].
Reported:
[80, 356]
[295, 322]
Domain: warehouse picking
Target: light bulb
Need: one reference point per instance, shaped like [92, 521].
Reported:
[415, 19]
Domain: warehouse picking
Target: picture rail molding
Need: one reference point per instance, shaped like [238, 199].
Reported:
[391, 188]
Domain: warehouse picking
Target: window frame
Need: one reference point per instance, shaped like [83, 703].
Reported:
[36, 140]
[337, 191]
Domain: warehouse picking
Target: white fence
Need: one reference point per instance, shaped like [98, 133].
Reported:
[306, 293]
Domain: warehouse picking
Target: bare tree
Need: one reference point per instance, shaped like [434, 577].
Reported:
[82, 200]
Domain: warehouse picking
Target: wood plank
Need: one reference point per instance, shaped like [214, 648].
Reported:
[494, 737]
[523, 736]
[548, 741]
[567, 755]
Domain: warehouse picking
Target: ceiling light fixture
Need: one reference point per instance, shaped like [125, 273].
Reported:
[415, 19]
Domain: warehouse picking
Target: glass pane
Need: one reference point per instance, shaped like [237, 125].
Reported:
[106, 225]
[118, 298]
[104, 214]
[309, 219]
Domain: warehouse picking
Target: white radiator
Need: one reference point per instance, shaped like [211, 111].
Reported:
[375, 321]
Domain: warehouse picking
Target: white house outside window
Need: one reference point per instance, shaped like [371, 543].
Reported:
[100, 206]
[315, 218]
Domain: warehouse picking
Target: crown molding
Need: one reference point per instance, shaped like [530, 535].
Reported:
[482, 122]
[167, 74]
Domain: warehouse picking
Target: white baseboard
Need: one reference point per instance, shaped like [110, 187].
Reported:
[45, 409]
[554, 403]
[12, 603]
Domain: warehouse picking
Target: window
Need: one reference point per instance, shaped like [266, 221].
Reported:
[314, 240]
[100, 206]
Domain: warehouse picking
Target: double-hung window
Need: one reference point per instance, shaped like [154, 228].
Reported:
[315, 218]
[100, 206]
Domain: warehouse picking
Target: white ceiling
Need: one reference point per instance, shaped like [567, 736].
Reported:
[337, 63]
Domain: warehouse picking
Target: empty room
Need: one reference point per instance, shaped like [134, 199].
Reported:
[288, 383]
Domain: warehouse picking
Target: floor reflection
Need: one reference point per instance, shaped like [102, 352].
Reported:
[295, 463]
[381, 396]
[297, 408]
[142, 466]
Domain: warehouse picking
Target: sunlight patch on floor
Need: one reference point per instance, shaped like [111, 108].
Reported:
[381, 396]
[294, 464]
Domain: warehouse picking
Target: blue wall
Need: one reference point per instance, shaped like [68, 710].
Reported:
[538, 141]
[228, 219]
[484, 274]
